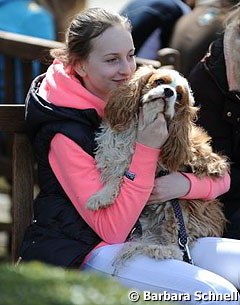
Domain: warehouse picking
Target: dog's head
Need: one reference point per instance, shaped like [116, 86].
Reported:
[161, 90]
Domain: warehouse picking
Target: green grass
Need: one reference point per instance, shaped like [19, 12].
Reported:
[39, 284]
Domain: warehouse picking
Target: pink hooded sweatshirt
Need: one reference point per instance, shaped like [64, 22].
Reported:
[78, 175]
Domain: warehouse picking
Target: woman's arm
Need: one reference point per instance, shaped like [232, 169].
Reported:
[207, 188]
[76, 171]
[188, 186]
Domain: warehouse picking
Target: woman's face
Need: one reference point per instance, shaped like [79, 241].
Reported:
[110, 62]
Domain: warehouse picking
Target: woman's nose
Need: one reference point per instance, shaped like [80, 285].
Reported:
[125, 68]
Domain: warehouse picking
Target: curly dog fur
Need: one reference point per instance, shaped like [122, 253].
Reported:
[187, 149]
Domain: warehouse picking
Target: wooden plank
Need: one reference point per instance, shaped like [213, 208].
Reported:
[27, 47]
[12, 121]
[12, 118]
[149, 62]
[4, 226]
[169, 58]
[22, 190]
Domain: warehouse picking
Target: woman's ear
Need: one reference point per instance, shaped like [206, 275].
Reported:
[80, 69]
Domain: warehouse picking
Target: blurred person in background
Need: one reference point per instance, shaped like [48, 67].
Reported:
[194, 32]
[215, 82]
[152, 23]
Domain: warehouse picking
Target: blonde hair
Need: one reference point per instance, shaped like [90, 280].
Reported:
[86, 25]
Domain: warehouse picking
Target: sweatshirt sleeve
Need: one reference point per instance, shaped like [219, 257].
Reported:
[207, 188]
[77, 173]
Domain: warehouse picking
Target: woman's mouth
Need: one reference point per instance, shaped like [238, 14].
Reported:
[120, 81]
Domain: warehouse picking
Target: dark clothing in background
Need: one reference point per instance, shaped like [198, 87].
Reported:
[148, 15]
[220, 116]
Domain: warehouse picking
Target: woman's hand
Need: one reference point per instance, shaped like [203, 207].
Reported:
[153, 135]
[174, 185]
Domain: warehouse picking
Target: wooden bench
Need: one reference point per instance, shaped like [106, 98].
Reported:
[15, 163]
[12, 122]
[25, 49]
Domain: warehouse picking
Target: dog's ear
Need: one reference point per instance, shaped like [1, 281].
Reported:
[124, 102]
[177, 149]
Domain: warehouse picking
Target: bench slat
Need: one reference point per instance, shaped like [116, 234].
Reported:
[22, 190]
[22, 46]
[12, 118]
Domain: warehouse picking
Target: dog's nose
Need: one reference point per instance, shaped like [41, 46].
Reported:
[168, 92]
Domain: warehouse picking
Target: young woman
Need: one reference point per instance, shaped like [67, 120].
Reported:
[64, 109]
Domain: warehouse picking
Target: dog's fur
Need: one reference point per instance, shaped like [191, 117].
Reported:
[187, 149]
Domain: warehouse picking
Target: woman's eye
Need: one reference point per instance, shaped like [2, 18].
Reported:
[159, 81]
[132, 55]
[111, 59]
[179, 96]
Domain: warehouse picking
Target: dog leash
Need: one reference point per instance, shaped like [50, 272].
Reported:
[182, 234]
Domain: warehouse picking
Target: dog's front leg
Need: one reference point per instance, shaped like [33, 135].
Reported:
[106, 196]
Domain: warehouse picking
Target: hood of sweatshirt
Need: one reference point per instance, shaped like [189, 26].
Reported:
[59, 95]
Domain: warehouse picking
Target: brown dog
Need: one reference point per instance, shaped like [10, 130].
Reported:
[187, 149]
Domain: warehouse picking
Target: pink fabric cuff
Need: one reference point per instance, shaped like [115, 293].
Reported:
[144, 164]
[206, 188]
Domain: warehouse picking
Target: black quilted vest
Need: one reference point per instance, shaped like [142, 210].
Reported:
[58, 235]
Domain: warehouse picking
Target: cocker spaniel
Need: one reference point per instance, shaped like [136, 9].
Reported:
[187, 149]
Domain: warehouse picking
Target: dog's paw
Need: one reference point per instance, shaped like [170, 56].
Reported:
[161, 252]
[95, 203]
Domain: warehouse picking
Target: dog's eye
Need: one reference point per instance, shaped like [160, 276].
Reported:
[159, 81]
[179, 96]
